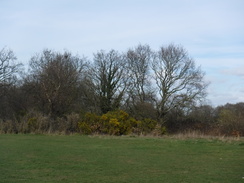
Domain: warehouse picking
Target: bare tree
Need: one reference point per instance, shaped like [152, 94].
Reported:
[8, 67]
[140, 92]
[109, 76]
[139, 60]
[56, 79]
[8, 74]
[179, 82]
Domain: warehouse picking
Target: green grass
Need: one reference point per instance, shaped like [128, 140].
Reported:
[45, 158]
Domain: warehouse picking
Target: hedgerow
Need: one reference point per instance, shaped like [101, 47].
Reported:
[112, 123]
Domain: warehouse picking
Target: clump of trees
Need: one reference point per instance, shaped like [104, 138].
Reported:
[139, 91]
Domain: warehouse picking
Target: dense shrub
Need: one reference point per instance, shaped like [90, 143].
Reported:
[8, 126]
[115, 123]
[84, 128]
[231, 122]
[35, 122]
[69, 124]
[148, 125]
[89, 123]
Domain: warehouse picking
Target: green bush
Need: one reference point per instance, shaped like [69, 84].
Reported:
[163, 130]
[148, 125]
[84, 128]
[230, 121]
[116, 123]
[32, 124]
[90, 123]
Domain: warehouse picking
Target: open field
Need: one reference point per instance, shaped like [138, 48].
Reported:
[46, 158]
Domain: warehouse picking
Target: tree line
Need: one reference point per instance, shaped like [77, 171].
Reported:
[137, 91]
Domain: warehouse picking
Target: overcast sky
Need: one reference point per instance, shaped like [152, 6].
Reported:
[212, 31]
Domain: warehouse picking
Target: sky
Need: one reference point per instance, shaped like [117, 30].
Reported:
[212, 31]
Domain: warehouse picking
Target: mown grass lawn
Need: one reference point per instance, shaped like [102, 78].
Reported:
[46, 158]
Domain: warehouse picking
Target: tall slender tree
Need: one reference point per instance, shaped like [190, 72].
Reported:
[140, 93]
[139, 60]
[109, 77]
[8, 77]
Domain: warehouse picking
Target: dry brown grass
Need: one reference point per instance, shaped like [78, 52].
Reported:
[199, 135]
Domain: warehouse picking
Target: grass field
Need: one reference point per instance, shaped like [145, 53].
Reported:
[46, 158]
